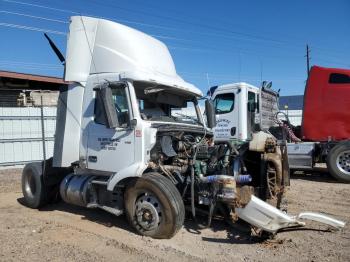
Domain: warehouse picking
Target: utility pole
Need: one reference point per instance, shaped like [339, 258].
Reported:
[308, 59]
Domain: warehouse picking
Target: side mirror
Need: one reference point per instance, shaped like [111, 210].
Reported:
[210, 113]
[266, 84]
[105, 94]
[133, 123]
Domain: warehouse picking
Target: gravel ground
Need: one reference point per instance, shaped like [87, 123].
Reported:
[62, 232]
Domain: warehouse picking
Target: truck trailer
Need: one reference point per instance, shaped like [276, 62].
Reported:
[121, 146]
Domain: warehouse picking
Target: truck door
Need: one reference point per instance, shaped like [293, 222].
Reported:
[252, 112]
[227, 115]
[111, 149]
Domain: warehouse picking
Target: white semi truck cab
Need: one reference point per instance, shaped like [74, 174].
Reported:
[122, 146]
[243, 109]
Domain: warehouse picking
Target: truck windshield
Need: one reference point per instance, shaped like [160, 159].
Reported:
[157, 104]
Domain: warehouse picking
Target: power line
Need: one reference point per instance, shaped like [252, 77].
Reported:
[198, 75]
[117, 20]
[41, 6]
[158, 36]
[171, 47]
[257, 38]
[332, 62]
[36, 17]
[202, 25]
[20, 63]
[37, 29]
[186, 22]
[33, 28]
[215, 75]
[16, 67]
[64, 22]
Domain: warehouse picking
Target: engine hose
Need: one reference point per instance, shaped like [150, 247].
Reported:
[192, 161]
[286, 127]
[216, 178]
[193, 208]
[244, 179]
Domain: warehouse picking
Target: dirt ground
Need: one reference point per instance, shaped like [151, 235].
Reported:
[62, 232]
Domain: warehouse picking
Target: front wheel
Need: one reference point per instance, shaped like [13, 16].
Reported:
[154, 206]
[338, 161]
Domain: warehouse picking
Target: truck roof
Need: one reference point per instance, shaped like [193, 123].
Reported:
[100, 46]
[230, 87]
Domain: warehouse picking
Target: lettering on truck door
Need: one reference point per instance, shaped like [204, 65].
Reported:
[111, 149]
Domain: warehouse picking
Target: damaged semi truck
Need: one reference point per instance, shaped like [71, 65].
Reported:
[122, 146]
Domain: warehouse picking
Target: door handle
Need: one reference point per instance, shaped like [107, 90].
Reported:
[233, 131]
[92, 159]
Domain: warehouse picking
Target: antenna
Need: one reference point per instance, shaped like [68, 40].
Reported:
[55, 49]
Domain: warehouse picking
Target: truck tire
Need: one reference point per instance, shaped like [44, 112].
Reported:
[154, 206]
[338, 161]
[34, 191]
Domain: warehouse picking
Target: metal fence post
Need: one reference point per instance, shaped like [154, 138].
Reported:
[43, 132]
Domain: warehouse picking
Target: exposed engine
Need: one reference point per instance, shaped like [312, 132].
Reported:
[204, 172]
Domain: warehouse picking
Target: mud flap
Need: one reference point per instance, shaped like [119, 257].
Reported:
[261, 214]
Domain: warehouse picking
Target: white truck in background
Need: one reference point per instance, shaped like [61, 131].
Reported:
[243, 109]
[121, 147]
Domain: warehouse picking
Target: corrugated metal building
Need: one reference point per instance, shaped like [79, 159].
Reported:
[27, 101]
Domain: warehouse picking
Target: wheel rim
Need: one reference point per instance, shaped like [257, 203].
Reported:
[273, 186]
[148, 212]
[29, 184]
[272, 181]
[343, 162]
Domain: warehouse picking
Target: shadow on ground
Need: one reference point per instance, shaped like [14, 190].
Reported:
[318, 175]
[239, 234]
[94, 215]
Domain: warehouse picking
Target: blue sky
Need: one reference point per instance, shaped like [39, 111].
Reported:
[212, 42]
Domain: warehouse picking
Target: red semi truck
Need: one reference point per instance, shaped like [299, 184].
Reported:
[325, 128]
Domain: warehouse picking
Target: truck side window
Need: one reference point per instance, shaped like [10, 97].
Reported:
[336, 78]
[121, 107]
[224, 103]
[251, 101]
